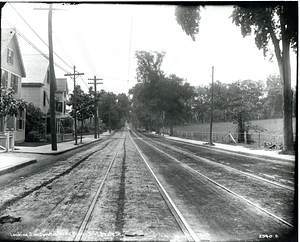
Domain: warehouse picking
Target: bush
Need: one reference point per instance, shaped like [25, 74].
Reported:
[33, 136]
[85, 129]
[68, 130]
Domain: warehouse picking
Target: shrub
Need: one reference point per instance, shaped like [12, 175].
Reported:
[33, 136]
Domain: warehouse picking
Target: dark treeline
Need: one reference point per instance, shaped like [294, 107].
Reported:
[261, 100]
[159, 100]
[112, 110]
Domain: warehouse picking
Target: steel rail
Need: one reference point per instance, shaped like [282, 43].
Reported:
[221, 186]
[225, 166]
[92, 206]
[169, 199]
[239, 153]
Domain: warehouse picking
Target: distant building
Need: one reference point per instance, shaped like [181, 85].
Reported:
[12, 72]
[36, 90]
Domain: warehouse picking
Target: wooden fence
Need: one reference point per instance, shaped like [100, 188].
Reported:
[7, 141]
[257, 139]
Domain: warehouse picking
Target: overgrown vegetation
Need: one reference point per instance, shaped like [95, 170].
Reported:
[35, 124]
[275, 29]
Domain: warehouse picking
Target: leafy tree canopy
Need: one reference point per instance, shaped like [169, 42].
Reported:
[268, 21]
[188, 17]
[84, 104]
[149, 65]
[10, 105]
[279, 22]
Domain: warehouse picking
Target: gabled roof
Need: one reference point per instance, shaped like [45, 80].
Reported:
[7, 35]
[62, 85]
[36, 67]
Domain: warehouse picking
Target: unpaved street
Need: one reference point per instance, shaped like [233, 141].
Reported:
[129, 207]
[138, 187]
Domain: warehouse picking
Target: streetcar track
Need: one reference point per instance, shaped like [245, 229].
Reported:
[89, 213]
[218, 184]
[49, 181]
[239, 153]
[291, 188]
[119, 223]
[183, 224]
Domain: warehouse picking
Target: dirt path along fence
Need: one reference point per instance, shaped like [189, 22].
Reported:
[257, 139]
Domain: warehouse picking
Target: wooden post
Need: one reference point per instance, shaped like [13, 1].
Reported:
[52, 83]
[96, 106]
[52, 80]
[211, 107]
[75, 104]
[7, 142]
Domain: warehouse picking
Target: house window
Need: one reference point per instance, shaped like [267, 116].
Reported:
[48, 76]
[14, 82]
[1, 123]
[4, 79]
[20, 120]
[44, 98]
[10, 123]
[59, 106]
[10, 56]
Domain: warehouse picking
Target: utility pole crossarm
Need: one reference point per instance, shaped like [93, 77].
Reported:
[95, 79]
[75, 75]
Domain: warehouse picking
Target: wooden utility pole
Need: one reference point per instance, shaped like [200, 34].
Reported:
[96, 103]
[75, 75]
[211, 107]
[52, 80]
[109, 121]
[52, 83]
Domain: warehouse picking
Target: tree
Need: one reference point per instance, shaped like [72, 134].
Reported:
[10, 106]
[176, 100]
[168, 100]
[140, 115]
[150, 74]
[34, 123]
[123, 108]
[220, 100]
[108, 110]
[149, 66]
[201, 104]
[188, 17]
[84, 105]
[274, 101]
[243, 103]
[277, 22]
[270, 21]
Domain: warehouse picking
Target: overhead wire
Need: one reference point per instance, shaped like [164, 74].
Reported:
[130, 43]
[38, 35]
[29, 42]
[81, 44]
[201, 23]
[85, 51]
[82, 52]
[63, 49]
[60, 43]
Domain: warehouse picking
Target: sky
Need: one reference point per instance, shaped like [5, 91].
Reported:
[101, 40]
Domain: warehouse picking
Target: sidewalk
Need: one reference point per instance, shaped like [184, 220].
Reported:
[9, 163]
[239, 149]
